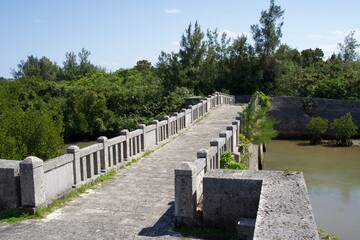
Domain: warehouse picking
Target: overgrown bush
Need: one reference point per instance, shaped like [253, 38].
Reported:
[344, 128]
[227, 161]
[244, 144]
[29, 132]
[316, 127]
[256, 124]
[264, 100]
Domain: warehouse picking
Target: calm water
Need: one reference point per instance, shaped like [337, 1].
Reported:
[80, 144]
[332, 175]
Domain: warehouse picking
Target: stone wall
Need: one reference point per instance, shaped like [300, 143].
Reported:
[226, 200]
[259, 204]
[251, 204]
[290, 113]
[189, 176]
[9, 184]
[59, 176]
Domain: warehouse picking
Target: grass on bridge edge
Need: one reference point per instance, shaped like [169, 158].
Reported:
[18, 215]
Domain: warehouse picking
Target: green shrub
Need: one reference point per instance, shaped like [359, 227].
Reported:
[227, 161]
[310, 106]
[243, 143]
[316, 127]
[344, 128]
[264, 100]
[256, 124]
[326, 236]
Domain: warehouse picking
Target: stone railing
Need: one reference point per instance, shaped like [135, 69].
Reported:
[38, 183]
[189, 175]
[248, 203]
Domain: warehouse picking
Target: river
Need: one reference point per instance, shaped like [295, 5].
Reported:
[80, 144]
[332, 176]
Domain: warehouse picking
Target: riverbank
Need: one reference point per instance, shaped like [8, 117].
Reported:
[292, 114]
[332, 178]
[355, 142]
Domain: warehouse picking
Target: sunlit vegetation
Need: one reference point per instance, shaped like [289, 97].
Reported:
[46, 104]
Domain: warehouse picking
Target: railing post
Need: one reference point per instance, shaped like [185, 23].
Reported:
[236, 125]
[238, 119]
[184, 119]
[215, 143]
[32, 182]
[143, 137]
[168, 127]
[126, 150]
[97, 163]
[177, 123]
[203, 107]
[191, 113]
[74, 150]
[104, 162]
[185, 195]
[218, 97]
[233, 138]
[203, 153]
[156, 122]
[208, 104]
[223, 134]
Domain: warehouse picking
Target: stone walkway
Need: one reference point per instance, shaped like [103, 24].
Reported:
[138, 203]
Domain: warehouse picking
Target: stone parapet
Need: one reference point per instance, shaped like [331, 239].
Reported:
[44, 182]
[32, 183]
[291, 114]
[279, 200]
[9, 184]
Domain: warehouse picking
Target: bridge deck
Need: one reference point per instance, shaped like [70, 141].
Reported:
[138, 203]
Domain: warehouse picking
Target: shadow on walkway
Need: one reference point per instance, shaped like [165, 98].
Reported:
[163, 227]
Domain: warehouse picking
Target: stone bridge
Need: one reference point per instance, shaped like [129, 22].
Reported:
[139, 202]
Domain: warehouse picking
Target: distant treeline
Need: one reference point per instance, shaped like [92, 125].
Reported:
[45, 103]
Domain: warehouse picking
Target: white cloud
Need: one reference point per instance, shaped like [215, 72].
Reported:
[172, 11]
[329, 49]
[332, 35]
[337, 33]
[315, 36]
[175, 44]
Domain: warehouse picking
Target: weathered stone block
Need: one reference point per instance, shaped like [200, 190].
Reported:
[228, 199]
[10, 194]
[32, 182]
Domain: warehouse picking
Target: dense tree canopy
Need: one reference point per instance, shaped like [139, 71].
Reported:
[47, 104]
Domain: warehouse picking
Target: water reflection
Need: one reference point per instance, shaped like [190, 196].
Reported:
[332, 175]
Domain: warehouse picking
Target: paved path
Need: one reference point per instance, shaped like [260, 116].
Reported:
[138, 203]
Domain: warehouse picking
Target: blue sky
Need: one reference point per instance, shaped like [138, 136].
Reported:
[118, 33]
